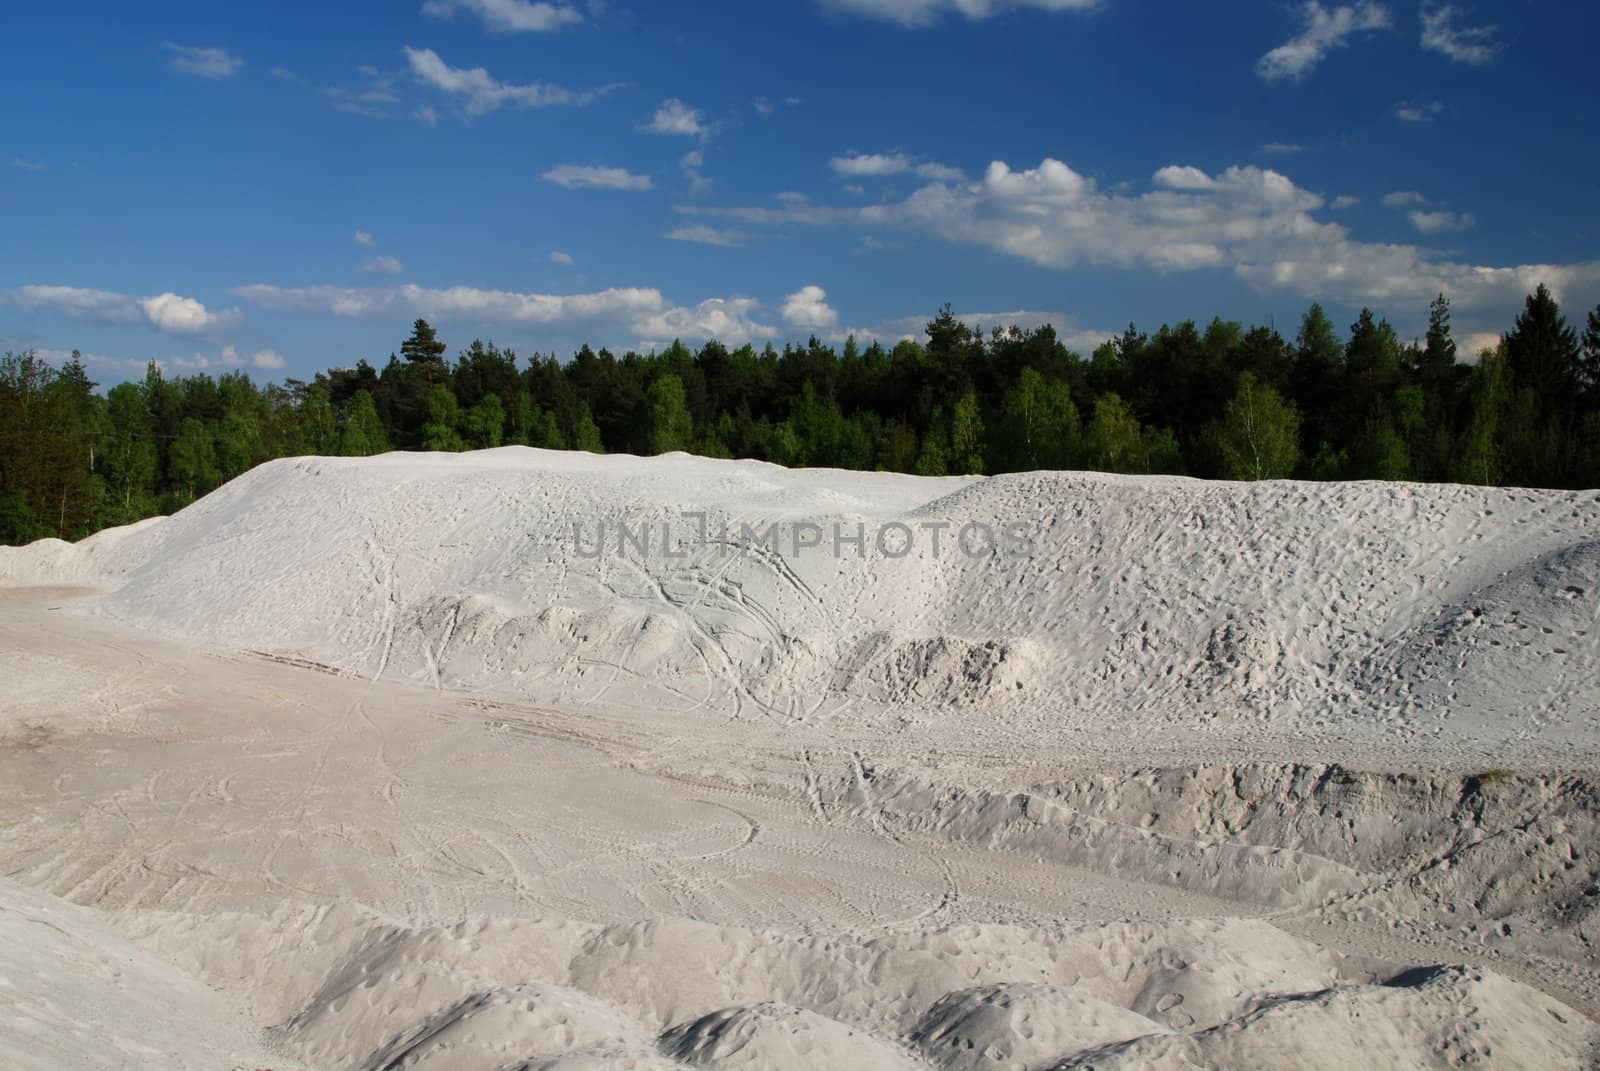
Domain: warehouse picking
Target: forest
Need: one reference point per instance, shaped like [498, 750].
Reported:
[1223, 401]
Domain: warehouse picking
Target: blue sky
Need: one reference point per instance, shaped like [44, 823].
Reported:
[285, 187]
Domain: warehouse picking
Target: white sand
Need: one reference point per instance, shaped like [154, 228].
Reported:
[375, 749]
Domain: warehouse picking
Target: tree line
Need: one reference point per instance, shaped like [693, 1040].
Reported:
[1223, 401]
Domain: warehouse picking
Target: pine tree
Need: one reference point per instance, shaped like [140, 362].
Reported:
[423, 349]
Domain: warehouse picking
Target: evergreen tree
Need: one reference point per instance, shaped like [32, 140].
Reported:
[423, 348]
[1542, 351]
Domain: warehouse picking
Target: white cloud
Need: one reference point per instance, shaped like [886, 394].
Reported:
[1463, 44]
[577, 176]
[1323, 32]
[365, 239]
[426, 115]
[372, 97]
[1402, 199]
[1339, 204]
[338, 300]
[167, 312]
[498, 305]
[677, 118]
[808, 308]
[1440, 222]
[641, 313]
[507, 16]
[1253, 222]
[875, 165]
[729, 320]
[1281, 148]
[202, 62]
[481, 92]
[1423, 111]
[36, 166]
[918, 13]
[556, 256]
[183, 316]
[266, 359]
[705, 235]
[691, 163]
[383, 265]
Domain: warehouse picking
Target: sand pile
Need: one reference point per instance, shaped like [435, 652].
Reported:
[573, 578]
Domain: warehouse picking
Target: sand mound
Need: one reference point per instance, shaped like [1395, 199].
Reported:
[488, 1031]
[696, 583]
[1021, 1026]
[771, 1035]
[1438, 1018]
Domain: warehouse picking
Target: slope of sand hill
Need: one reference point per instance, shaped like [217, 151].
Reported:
[465, 761]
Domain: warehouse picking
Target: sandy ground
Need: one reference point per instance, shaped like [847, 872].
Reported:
[405, 820]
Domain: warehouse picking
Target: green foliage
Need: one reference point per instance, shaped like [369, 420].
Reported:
[1258, 437]
[443, 429]
[1114, 441]
[483, 424]
[423, 347]
[1217, 400]
[362, 434]
[669, 425]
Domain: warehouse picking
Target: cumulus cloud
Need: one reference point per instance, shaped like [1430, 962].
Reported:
[918, 13]
[364, 239]
[480, 92]
[1281, 148]
[556, 256]
[383, 265]
[808, 308]
[1402, 199]
[202, 62]
[169, 313]
[729, 320]
[579, 176]
[674, 117]
[704, 234]
[268, 359]
[182, 315]
[35, 166]
[1463, 44]
[1322, 32]
[1251, 221]
[507, 16]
